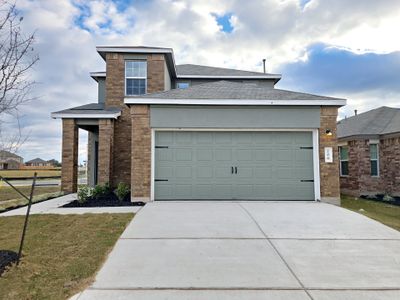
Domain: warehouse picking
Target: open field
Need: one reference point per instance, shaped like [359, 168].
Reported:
[382, 212]
[61, 255]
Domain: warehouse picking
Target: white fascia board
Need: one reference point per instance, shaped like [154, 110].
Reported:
[97, 74]
[133, 50]
[229, 77]
[333, 102]
[85, 116]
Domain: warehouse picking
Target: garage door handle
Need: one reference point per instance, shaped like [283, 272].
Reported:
[231, 170]
[235, 170]
[307, 180]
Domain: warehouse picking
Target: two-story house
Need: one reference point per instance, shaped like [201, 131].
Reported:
[191, 132]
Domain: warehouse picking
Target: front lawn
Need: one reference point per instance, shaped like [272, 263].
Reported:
[382, 212]
[61, 254]
[9, 198]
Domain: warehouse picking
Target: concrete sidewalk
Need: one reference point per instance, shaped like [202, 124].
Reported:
[53, 206]
[250, 250]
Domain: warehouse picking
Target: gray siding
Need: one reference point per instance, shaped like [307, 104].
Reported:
[234, 117]
[101, 90]
[167, 78]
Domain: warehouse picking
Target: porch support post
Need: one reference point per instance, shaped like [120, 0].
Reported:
[141, 153]
[106, 145]
[69, 169]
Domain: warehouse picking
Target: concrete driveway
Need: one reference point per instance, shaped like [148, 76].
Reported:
[251, 250]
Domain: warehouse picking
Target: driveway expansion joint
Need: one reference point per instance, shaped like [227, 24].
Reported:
[277, 252]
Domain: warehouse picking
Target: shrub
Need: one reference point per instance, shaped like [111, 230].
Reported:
[84, 193]
[388, 198]
[101, 190]
[122, 191]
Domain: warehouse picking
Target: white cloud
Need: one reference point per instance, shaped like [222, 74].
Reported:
[277, 30]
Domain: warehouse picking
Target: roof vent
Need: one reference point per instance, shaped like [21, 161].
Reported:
[264, 64]
[355, 112]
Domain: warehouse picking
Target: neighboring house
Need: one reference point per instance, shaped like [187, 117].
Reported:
[369, 145]
[10, 161]
[190, 132]
[38, 162]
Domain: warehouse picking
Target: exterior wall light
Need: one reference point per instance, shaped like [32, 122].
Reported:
[328, 132]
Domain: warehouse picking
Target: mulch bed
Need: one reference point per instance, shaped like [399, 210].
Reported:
[104, 201]
[7, 257]
[380, 198]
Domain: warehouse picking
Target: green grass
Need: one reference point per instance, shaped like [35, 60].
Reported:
[11, 199]
[8, 193]
[29, 173]
[381, 212]
[61, 255]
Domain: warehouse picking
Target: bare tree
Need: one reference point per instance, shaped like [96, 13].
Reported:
[17, 57]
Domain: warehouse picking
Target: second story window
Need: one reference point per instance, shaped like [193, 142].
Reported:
[135, 77]
[344, 160]
[374, 157]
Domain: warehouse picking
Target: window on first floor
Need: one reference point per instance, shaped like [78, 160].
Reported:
[135, 77]
[182, 85]
[344, 160]
[374, 157]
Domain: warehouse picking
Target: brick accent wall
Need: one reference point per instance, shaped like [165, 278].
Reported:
[106, 150]
[329, 172]
[69, 169]
[115, 93]
[141, 153]
[360, 182]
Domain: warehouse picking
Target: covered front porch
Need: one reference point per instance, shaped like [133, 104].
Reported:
[99, 123]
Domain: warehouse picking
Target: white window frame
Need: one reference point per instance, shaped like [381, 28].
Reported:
[375, 159]
[135, 77]
[341, 160]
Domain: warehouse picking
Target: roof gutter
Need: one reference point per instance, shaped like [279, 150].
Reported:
[56, 115]
[244, 102]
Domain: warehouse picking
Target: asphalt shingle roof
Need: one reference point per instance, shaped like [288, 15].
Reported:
[234, 90]
[198, 70]
[36, 160]
[91, 108]
[383, 120]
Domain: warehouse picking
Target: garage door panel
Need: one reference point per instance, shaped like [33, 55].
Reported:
[263, 173]
[223, 154]
[164, 154]
[270, 165]
[164, 172]
[223, 172]
[244, 154]
[204, 154]
[204, 138]
[183, 138]
[183, 154]
[205, 172]
[263, 154]
[223, 138]
[284, 154]
[183, 172]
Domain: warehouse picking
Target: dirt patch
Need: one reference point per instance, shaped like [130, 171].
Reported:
[7, 258]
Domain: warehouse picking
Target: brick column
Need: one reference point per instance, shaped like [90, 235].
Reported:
[329, 172]
[141, 153]
[106, 143]
[69, 169]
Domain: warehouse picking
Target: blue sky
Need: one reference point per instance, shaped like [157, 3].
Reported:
[339, 48]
